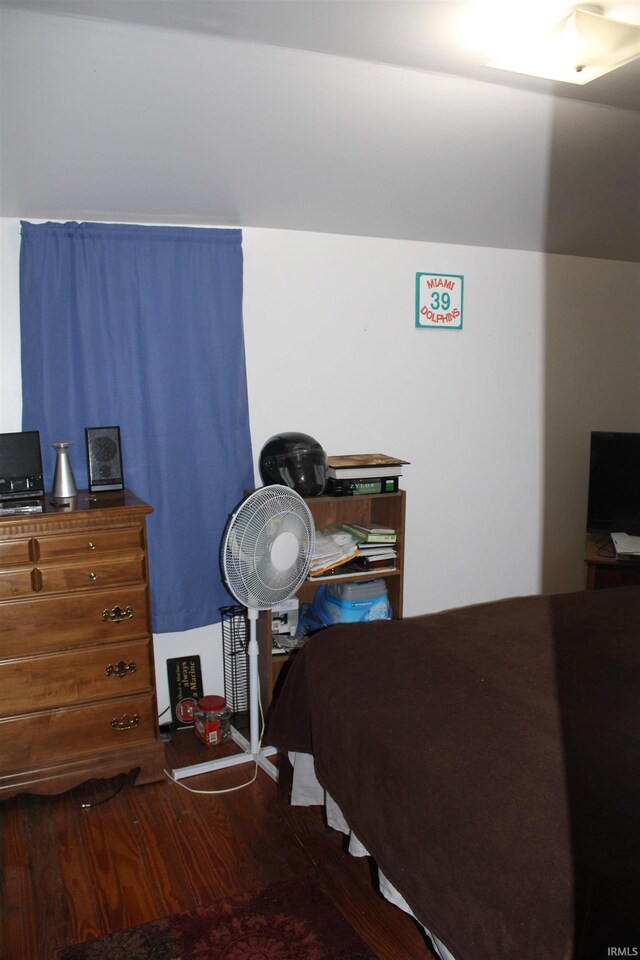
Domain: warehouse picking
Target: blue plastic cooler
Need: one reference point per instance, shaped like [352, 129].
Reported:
[352, 602]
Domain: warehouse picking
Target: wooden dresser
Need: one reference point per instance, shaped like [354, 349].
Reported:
[77, 682]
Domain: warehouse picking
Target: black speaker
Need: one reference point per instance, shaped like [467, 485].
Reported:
[104, 458]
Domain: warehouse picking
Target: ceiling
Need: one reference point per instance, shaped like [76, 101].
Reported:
[443, 36]
[505, 147]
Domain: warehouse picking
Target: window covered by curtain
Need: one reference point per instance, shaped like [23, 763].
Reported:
[141, 327]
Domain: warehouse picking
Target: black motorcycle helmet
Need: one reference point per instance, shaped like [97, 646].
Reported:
[295, 460]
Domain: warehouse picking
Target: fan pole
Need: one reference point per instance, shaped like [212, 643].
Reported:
[254, 681]
[251, 750]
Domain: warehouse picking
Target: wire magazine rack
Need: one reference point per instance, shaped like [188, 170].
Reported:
[235, 660]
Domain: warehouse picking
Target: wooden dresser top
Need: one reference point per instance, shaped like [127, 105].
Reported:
[85, 510]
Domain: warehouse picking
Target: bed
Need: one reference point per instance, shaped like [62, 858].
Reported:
[488, 759]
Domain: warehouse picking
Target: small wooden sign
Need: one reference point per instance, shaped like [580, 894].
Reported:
[439, 301]
[185, 688]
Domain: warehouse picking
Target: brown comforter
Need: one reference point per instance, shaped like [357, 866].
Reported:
[489, 759]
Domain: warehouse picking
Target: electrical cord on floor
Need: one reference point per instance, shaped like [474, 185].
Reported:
[97, 803]
[240, 786]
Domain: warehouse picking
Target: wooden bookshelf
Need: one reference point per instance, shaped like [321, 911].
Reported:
[386, 509]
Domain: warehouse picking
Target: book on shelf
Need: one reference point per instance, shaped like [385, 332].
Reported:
[373, 557]
[361, 564]
[371, 533]
[363, 473]
[355, 466]
[375, 551]
[350, 460]
[376, 547]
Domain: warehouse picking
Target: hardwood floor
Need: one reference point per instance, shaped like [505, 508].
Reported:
[69, 873]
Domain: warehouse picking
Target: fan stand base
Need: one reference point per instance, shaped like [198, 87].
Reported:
[247, 756]
[251, 749]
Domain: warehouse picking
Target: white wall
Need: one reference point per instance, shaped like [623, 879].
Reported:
[494, 418]
[333, 350]
[10, 381]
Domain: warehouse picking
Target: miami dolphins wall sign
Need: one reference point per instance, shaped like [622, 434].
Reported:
[439, 301]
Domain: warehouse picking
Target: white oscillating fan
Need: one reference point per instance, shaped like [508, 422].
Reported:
[265, 555]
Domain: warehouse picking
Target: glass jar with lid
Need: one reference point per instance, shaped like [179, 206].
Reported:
[212, 720]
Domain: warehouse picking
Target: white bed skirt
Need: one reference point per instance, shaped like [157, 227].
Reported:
[307, 792]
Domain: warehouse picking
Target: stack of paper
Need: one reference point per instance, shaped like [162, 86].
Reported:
[333, 547]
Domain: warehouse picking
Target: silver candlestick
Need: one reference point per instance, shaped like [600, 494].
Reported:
[64, 486]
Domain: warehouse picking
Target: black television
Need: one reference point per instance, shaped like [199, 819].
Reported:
[614, 483]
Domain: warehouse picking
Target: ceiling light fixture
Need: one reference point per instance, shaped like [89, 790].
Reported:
[582, 46]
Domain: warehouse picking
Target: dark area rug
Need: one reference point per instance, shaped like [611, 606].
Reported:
[289, 920]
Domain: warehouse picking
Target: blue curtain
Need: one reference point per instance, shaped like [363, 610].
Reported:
[141, 327]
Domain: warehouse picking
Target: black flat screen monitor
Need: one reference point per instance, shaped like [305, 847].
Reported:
[614, 483]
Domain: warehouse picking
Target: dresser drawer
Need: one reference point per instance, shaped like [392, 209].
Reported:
[44, 624]
[105, 573]
[61, 577]
[43, 738]
[13, 552]
[60, 679]
[90, 543]
[18, 582]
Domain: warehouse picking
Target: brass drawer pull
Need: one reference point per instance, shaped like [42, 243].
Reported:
[126, 722]
[93, 575]
[121, 668]
[117, 615]
[91, 545]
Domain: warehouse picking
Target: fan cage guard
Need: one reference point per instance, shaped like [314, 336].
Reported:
[235, 660]
[269, 514]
